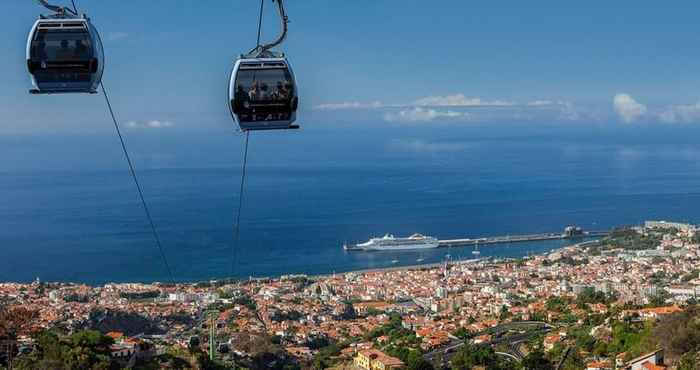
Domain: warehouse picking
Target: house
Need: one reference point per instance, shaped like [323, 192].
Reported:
[372, 359]
[552, 339]
[484, 338]
[363, 308]
[652, 313]
[650, 361]
[300, 352]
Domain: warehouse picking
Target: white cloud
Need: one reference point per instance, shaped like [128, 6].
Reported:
[421, 146]
[434, 107]
[350, 105]
[627, 108]
[459, 100]
[681, 113]
[541, 103]
[568, 111]
[149, 124]
[419, 114]
[114, 36]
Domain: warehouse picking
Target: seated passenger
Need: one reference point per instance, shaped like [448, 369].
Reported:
[64, 53]
[264, 94]
[241, 97]
[254, 93]
[41, 51]
[81, 50]
[282, 93]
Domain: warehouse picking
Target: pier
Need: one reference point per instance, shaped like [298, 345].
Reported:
[571, 232]
[517, 239]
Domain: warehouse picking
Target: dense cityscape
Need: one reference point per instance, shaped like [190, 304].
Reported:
[625, 301]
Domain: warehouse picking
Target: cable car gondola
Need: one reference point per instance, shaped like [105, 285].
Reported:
[64, 53]
[262, 89]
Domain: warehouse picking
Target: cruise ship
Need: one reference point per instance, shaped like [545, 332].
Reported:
[390, 243]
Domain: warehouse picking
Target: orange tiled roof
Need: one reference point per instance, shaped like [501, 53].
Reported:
[649, 366]
[115, 334]
[380, 356]
[662, 310]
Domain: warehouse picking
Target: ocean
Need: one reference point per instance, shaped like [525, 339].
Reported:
[69, 210]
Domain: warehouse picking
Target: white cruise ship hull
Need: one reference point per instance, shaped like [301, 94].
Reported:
[401, 247]
[390, 243]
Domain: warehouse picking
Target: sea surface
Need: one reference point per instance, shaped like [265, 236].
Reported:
[67, 216]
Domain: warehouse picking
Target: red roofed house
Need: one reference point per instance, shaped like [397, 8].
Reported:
[552, 339]
[372, 359]
[650, 361]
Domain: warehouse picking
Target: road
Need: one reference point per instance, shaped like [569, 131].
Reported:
[512, 341]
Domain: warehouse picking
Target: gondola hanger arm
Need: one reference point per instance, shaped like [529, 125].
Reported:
[265, 49]
[59, 10]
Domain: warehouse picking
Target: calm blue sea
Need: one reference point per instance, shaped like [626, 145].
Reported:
[69, 214]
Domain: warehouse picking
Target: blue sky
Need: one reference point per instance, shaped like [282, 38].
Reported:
[389, 62]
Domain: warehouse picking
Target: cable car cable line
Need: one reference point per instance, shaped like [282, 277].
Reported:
[138, 185]
[260, 51]
[240, 206]
[263, 49]
[58, 67]
[260, 19]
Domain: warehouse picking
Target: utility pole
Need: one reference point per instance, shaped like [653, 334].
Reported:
[211, 337]
[212, 316]
[9, 355]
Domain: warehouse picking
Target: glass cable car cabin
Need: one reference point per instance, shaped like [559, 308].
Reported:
[262, 91]
[64, 55]
[263, 94]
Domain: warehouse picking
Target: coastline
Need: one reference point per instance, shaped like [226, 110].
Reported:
[224, 281]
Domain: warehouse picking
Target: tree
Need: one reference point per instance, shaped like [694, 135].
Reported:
[462, 333]
[323, 359]
[689, 361]
[659, 299]
[418, 362]
[535, 360]
[14, 320]
[679, 333]
[85, 350]
[558, 304]
[504, 313]
[469, 356]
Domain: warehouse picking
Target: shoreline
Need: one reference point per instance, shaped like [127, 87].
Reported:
[226, 281]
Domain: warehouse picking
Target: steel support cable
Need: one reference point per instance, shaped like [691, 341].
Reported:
[237, 234]
[260, 18]
[138, 186]
[240, 205]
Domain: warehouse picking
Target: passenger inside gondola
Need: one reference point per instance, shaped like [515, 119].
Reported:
[268, 92]
[64, 53]
[61, 56]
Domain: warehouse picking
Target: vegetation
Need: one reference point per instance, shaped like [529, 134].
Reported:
[630, 239]
[325, 357]
[535, 360]
[82, 350]
[470, 356]
[463, 334]
[246, 301]
[591, 296]
[678, 334]
[415, 361]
